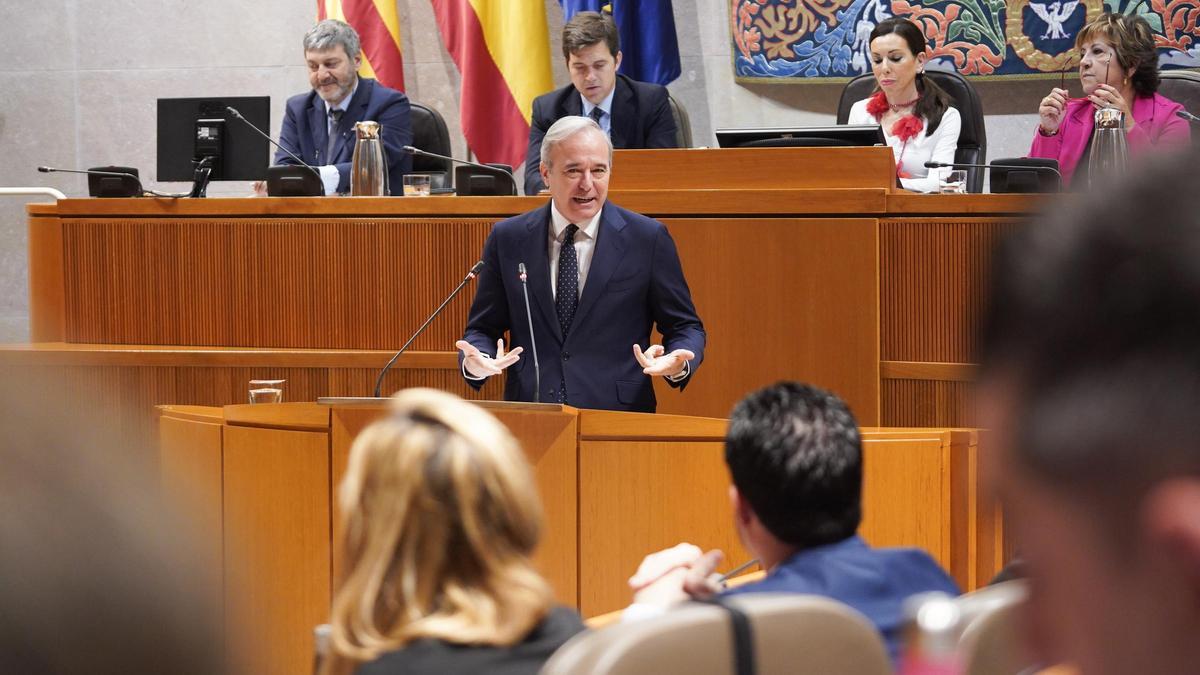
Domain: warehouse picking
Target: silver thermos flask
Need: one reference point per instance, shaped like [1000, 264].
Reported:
[368, 170]
[1110, 152]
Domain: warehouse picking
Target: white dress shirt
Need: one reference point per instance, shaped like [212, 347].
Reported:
[921, 148]
[585, 245]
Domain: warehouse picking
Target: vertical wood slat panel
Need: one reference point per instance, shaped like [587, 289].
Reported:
[928, 403]
[338, 283]
[933, 277]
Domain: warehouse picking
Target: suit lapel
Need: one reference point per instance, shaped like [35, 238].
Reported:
[318, 122]
[610, 248]
[572, 105]
[624, 117]
[536, 256]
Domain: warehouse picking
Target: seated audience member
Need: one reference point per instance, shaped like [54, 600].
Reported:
[1091, 383]
[318, 126]
[917, 119]
[1118, 68]
[795, 457]
[633, 114]
[440, 516]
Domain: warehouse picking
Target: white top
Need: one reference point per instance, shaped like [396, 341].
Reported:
[921, 148]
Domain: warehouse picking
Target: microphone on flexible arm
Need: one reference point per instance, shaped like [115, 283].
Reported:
[1008, 175]
[1010, 167]
[424, 153]
[470, 275]
[96, 172]
[234, 111]
[1188, 116]
[537, 369]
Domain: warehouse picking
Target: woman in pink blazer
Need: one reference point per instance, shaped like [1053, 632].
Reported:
[1118, 68]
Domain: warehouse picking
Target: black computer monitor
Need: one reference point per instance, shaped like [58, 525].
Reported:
[784, 137]
[193, 128]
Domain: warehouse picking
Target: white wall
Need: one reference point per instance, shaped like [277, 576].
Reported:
[80, 79]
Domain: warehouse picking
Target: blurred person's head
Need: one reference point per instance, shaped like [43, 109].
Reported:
[795, 459]
[440, 517]
[1119, 50]
[591, 46]
[333, 53]
[96, 575]
[1092, 385]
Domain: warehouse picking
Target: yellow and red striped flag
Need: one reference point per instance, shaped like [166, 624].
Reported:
[378, 27]
[502, 49]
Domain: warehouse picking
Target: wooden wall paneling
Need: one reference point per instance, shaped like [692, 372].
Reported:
[639, 497]
[906, 492]
[743, 168]
[341, 283]
[47, 296]
[781, 299]
[928, 403]
[933, 275]
[277, 545]
[191, 460]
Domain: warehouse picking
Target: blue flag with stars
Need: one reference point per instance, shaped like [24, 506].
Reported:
[649, 46]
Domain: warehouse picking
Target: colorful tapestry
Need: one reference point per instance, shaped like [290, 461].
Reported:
[800, 39]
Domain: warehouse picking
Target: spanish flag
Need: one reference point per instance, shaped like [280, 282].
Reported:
[378, 27]
[502, 49]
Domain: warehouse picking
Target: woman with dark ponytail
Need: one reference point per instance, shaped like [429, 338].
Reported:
[917, 119]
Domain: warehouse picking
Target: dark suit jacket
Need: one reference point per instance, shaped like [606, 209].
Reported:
[306, 131]
[641, 118]
[635, 281]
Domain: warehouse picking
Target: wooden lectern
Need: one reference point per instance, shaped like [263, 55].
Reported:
[615, 486]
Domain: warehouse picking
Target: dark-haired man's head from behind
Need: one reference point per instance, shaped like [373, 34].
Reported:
[1092, 387]
[795, 457]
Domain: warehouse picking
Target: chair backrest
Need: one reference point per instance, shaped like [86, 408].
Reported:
[683, 125]
[991, 642]
[972, 139]
[431, 135]
[1181, 86]
[791, 634]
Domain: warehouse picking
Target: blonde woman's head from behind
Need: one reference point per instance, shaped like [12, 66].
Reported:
[440, 516]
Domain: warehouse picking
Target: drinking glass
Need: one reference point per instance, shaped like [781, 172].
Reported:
[416, 184]
[266, 391]
[953, 182]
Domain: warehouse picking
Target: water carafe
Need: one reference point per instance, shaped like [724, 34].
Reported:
[1110, 152]
[368, 170]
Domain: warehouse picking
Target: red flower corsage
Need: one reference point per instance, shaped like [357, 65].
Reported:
[907, 127]
[877, 105]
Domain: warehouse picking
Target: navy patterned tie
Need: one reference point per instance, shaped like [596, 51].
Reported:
[596, 114]
[335, 117]
[566, 299]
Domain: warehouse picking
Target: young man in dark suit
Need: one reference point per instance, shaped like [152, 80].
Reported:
[633, 114]
[318, 127]
[599, 279]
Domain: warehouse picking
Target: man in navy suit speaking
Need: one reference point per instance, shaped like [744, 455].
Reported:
[599, 279]
[318, 126]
